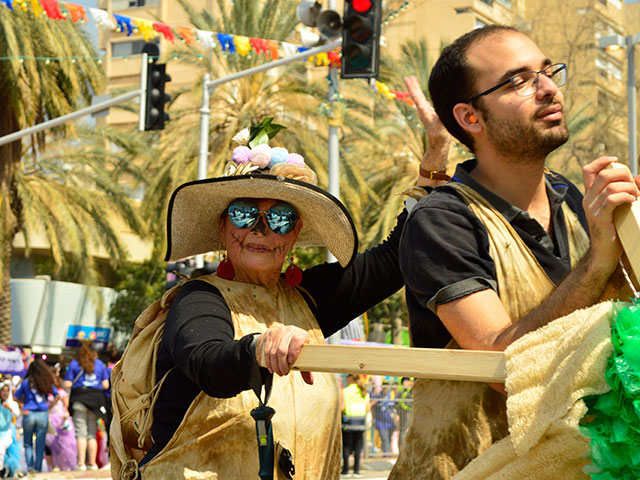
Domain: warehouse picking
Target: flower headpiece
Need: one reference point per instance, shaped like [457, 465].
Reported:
[254, 153]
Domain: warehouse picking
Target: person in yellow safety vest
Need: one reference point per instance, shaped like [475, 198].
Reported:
[354, 402]
[404, 406]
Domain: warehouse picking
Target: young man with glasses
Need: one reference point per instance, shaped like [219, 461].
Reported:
[503, 248]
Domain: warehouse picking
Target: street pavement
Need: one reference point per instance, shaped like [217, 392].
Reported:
[371, 469]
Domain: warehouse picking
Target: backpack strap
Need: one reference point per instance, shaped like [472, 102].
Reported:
[147, 401]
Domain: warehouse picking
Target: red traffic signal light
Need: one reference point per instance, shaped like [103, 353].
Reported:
[361, 38]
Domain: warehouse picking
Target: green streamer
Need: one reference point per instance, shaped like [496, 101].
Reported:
[612, 422]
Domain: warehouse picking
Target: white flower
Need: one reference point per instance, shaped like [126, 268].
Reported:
[242, 137]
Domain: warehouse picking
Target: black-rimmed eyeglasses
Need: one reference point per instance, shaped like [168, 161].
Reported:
[526, 83]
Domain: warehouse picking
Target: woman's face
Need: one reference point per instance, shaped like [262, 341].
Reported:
[4, 393]
[257, 252]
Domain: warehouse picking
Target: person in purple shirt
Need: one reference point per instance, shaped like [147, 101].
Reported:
[35, 393]
[88, 378]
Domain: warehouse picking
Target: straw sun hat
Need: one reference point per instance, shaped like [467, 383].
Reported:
[195, 208]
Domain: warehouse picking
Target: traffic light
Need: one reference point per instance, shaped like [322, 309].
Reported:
[154, 114]
[361, 38]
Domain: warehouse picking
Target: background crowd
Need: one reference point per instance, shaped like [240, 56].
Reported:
[56, 416]
[376, 412]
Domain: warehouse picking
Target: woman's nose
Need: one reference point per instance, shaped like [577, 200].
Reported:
[261, 225]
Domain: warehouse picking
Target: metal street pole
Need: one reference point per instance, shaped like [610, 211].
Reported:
[143, 91]
[334, 158]
[631, 102]
[71, 116]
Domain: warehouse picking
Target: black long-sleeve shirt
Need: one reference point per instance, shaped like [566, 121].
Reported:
[199, 334]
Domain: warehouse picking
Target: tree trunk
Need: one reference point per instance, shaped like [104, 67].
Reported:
[5, 308]
[396, 330]
[10, 214]
[377, 333]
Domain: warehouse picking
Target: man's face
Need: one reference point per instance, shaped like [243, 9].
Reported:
[523, 128]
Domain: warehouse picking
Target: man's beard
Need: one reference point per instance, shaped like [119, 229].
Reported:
[525, 142]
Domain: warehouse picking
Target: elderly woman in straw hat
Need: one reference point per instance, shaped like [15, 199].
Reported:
[218, 325]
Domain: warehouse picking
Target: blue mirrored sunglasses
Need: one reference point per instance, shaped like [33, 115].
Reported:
[281, 217]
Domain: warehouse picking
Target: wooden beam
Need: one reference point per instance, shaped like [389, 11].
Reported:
[627, 220]
[436, 363]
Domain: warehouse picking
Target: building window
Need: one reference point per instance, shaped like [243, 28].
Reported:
[488, 2]
[125, 49]
[607, 69]
[616, 3]
[505, 3]
[480, 23]
[124, 4]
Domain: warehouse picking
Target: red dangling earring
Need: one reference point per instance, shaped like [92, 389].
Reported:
[293, 274]
[225, 269]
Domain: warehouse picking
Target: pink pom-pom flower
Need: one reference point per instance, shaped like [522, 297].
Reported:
[241, 155]
[261, 155]
[295, 159]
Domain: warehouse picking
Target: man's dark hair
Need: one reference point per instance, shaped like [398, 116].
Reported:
[452, 79]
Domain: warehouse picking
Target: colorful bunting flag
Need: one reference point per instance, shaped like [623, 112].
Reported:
[102, 18]
[226, 42]
[206, 38]
[8, 3]
[21, 3]
[187, 34]
[52, 9]
[77, 12]
[243, 45]
[165, 30]
[124, 23]
[37, 9]
[289, 49]
[273, 49]
[259, 45]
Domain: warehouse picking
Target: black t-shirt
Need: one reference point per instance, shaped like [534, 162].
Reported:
[198, 335]
[444, 250]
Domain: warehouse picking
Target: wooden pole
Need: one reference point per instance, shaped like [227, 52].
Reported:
[443, 364]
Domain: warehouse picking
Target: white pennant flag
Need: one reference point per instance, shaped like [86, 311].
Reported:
[102, 18]
[289, 49]
[206, 38]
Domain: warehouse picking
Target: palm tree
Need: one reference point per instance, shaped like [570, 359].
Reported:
[66, 192]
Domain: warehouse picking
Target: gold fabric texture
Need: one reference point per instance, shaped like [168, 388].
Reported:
[549, 371]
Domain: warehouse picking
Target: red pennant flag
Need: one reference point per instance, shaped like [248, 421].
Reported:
[52, 9]
[165, 30]
[259, 45]
[403, 97]
[334, 58]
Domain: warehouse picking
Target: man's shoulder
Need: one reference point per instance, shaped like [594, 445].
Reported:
[442, 197]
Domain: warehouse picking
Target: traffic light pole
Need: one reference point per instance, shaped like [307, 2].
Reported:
[208, 86]
[143, 91]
